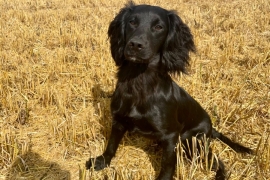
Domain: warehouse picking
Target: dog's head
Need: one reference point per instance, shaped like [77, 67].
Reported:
[144, 33]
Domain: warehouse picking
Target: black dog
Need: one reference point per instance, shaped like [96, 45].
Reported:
[148, 43]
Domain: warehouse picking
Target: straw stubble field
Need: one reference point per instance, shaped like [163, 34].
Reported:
[57, 76]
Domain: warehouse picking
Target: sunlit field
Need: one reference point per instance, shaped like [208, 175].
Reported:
[57, 76]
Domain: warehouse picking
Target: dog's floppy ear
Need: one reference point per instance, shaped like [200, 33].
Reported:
[116, 33]
[179, 42]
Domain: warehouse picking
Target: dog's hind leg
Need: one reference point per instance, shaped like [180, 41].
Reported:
[217, 166]
[199, 147]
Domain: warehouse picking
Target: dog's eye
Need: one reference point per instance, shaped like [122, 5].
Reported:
[132, 22]
[158, 27]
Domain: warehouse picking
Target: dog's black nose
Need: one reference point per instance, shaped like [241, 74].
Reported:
[135, 45]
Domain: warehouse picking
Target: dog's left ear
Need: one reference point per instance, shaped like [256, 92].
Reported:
[179, 42]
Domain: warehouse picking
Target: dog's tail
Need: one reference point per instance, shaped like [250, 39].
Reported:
[235, 146]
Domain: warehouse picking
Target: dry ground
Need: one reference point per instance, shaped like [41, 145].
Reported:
[56, 77]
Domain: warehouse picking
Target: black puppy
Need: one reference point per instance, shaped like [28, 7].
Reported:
[148, 43]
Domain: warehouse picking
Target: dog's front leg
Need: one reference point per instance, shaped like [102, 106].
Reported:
[169, 157]
[118, 131]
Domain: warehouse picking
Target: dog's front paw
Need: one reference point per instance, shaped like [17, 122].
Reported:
[99, 163]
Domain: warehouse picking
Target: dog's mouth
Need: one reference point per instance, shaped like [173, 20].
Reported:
[135, 59]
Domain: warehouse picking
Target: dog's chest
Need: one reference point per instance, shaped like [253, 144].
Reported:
[130, 100]
[141, 123]
[135, 116]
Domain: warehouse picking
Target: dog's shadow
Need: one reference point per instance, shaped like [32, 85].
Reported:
[31, 165]
[101, 103]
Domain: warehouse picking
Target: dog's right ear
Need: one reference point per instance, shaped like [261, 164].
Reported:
[116, 33]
